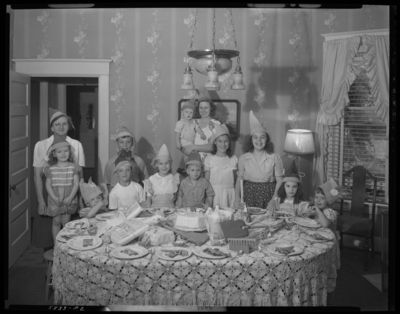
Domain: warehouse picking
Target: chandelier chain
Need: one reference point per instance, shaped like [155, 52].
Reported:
[234, 34]
[213, 34]
[194, 30]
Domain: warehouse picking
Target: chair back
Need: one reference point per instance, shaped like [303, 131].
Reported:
[360, 175]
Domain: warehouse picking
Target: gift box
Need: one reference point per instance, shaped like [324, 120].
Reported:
[158, 236]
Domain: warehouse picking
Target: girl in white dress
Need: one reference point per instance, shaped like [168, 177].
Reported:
[220, 168]
[161, 187]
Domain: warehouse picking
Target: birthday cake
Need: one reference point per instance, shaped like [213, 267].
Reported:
[188, 220]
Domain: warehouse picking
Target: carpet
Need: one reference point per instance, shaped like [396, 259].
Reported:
[375, 279]
[352, 289]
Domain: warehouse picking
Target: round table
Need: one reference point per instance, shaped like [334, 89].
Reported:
[256, 279]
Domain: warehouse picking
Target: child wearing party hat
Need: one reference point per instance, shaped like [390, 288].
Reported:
[194, 190]
[220, 168]
[62, 183]
[126, 192]
[260, 170]
[161, 187]
[186, 127]
[126, 144]
[325, 195]
[94, 197]
[290, 195]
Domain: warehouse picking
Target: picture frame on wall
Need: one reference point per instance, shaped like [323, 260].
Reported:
[227, 112]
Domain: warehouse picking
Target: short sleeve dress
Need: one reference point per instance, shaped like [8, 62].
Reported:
[162, 189]
[221, 178]
[62, 176]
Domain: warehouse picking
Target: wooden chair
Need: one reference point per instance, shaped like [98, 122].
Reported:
[48, 256]
[355, 224]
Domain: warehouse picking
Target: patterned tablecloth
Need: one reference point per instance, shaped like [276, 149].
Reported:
[256, 279]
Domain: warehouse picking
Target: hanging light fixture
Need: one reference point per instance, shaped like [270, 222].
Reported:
[213, 62]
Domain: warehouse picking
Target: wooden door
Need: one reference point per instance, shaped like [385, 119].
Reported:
[19, 163]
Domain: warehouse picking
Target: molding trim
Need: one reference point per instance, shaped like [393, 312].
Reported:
[99, 68]
[333, 36]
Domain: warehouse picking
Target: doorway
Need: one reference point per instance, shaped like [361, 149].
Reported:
[78, 98]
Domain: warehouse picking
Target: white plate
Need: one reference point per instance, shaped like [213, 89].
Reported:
[199, 252]
[297, 249]
[161, 254]
[119, 252]
[65, 232]
[308, 236]
[307, 222]
[166, 210]
[75, 223]
[77, 243]
[105, 216]
[260, 212]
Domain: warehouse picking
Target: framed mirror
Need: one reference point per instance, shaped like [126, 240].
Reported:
[227, 112]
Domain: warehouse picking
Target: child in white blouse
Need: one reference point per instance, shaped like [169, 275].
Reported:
[220, 168]
[161, 187]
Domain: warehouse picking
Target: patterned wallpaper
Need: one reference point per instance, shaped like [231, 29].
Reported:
[282, 63]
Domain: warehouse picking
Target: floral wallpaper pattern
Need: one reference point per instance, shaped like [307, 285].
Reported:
[330, 21]
[154, 79]
[118, 60]
[81, 38]
[260, 59]
[295, 41]
[369, 22]
[45, 20]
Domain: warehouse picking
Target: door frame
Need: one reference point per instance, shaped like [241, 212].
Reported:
[99, 68]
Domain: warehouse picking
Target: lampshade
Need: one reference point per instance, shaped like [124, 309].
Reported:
[299, 142]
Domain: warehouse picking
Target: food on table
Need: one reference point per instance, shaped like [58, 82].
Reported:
[214, 252]
[318, 236]
[129, 252]
[158, 236]
[106, 216]
[67, 236]
[284, 250]
[78, 224]
[253, 210]
[87, 242]
[174, 253]
[190, 220]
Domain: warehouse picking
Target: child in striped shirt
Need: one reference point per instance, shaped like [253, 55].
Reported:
[62, 183]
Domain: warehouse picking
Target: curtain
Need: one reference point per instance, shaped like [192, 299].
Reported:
[337, 76]
[377, 56]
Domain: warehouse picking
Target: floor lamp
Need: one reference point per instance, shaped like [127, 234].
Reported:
[299, 142]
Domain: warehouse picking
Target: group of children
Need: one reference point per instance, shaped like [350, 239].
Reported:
[257, 178]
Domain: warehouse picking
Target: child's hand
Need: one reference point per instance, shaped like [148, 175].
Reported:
[203, 137]
[67, 201]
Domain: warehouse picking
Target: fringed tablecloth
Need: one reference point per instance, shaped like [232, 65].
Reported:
[256, 279]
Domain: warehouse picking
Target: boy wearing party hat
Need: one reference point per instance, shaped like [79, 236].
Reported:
[186, 127]
[194, 190]
[94, 198]
[126, 192]
[161, 187]
[126, 146]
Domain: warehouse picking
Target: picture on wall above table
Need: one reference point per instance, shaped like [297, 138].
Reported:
[227, 112]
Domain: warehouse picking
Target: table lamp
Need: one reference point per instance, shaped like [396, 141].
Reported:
[299, 142]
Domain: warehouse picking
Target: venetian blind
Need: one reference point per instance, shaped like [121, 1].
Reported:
[364, 135]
